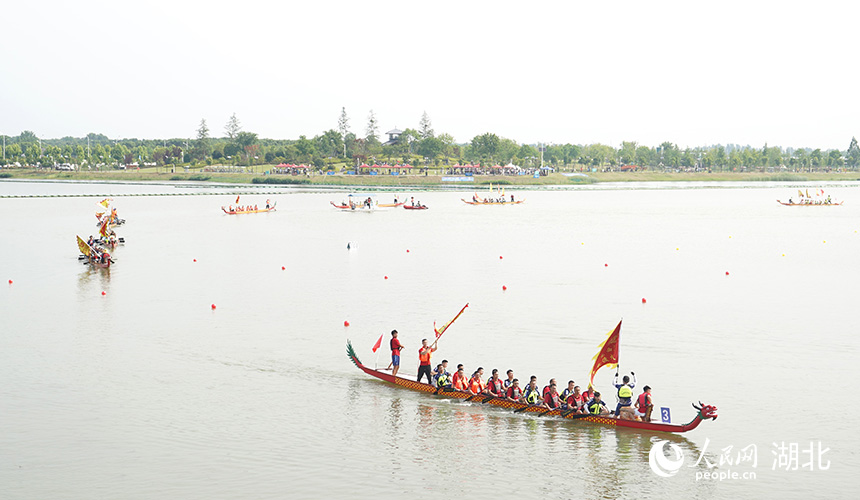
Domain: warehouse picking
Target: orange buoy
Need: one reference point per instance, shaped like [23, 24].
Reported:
[213, 307]
[346, 323]
[643, 300]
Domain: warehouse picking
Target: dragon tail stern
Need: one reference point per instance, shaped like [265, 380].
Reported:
[351, 353]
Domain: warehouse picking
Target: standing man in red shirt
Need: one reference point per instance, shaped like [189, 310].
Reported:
[424, 360]
[395, 352]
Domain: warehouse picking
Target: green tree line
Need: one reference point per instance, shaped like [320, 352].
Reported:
[419, 146]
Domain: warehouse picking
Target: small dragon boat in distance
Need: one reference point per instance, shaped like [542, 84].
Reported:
[232, 211]
[704, 411]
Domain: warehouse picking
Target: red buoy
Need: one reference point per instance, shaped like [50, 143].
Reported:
[195, 260]
[346, 323]
[605, 265]
[407, 250]
[643, 300]
[10, 282]
[103, 292]
[386, 277]
[283, 268]
[500, 257]
[504, 287]
[727, 273]
[213, 307]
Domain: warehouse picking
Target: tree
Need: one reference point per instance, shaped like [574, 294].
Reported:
[343, 128]
[430, 147]
[853, 153]
[372, 130]
[232, 128]
[425, 128]
[485, 146]
[329, 143]
[202, 144]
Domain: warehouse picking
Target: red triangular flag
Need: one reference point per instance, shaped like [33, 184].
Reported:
[378, 343]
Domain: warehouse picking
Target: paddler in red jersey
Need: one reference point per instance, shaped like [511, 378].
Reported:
[424, 361]
[644, 405]
[514, 392]
[552, 400]
[495, 386]
[396, 346]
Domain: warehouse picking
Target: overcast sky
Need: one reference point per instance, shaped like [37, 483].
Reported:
[693, 73]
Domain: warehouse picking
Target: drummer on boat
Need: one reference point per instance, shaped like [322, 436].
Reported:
[625, 392]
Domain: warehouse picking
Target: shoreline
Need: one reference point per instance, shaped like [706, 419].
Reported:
[422, 181]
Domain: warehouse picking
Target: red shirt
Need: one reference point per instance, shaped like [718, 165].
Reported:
[496, 386]
[551, 400]
[575, 401]
[515, 393]
[424, 355]
[395, 347]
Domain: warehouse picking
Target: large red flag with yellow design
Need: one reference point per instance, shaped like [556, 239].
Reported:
[608, 355]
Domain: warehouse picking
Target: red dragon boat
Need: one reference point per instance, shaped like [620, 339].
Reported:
[415, 207]
[704, 411]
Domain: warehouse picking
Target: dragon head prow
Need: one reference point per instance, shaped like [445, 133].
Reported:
[706, 411]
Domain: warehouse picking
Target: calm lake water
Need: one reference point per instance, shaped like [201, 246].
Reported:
[146, 392]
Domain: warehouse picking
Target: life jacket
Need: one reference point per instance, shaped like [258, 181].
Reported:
[460, 382]
[424, 356]
[515, 393]
[553, 401]
[395, 350]
[643, 402]
[594, 407]
[625, 392]
[442, 379]
[495, 386]
[532, 396]
[477, 385]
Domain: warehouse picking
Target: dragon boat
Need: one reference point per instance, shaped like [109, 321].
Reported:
[811, 204]
[415, 207]
[705, 412]
[240, 212]
[488, 202]
[96, 258]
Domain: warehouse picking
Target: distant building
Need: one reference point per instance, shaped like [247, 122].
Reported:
[393, 137]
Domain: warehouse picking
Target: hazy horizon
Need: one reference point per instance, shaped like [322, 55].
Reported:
[556, 72]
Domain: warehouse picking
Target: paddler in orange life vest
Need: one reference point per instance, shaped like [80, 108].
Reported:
[424, 361]
[458, 381]
[495, 386]
[644, 405]
[476, 384]
[396, 346]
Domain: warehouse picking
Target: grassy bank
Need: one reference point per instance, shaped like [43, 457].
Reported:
[555, 179]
